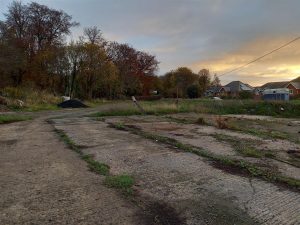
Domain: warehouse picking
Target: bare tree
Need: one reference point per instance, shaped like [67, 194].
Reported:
[48, 26]
[17, 19]
[94, 36]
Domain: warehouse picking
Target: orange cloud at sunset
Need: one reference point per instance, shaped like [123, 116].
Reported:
[279, 66]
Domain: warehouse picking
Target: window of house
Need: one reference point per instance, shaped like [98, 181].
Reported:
[291, 91]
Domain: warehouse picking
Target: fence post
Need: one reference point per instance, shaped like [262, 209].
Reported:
[138, 105]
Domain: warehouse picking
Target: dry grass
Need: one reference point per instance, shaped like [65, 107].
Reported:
[221, 122]
[28, 99]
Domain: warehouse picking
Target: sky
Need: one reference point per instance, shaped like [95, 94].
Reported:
[219, 35]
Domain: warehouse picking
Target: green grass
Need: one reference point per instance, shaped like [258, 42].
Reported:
[238, 166]
[93, 165]
[122, 182]
[13, 118]
[34, 107]
[168, 106]
[34, 100]
[96, 166]
[40, 107]
[244, 147]
[97, 102]
[68, 141]
[262, 132]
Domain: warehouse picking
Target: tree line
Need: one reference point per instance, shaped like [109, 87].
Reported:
[34, 52]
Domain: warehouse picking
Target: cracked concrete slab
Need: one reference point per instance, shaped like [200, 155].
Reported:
[199, 192]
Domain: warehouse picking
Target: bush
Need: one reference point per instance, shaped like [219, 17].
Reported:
[194, 91]
[246, 95]
[221, 122]
[201, 121]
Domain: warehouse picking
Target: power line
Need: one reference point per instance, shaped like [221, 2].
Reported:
[259, 58]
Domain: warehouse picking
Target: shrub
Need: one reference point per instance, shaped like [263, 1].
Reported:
[221, 122]
[201, 121]
[122, 182]
[33, 99]
[193, 91]
[246, 95]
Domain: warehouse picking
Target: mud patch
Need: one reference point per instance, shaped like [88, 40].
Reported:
[9, 142]
[294, 153]
[231, 169]
[163, 214]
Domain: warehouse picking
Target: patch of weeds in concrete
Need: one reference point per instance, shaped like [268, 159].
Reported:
[122, 182]
[244, 147]
[117, 112]
[199, 121]
[120, 126]
[96, 166]
[93, 165]
[270, 134]
[290, 181]
[102, 119]
[177, 120]
[68, 141]
[13, 118]
[240, 167]
[266, 134]
[279, 135]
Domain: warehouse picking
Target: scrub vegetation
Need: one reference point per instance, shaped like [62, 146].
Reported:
[13, 118]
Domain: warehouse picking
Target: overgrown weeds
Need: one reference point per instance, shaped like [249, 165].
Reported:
[121, 182]
[238, 166]
[221, 122]
[29, 99]
[96, 166]
[169, 106]
[10, 118]
[68, 141]
[244, 147]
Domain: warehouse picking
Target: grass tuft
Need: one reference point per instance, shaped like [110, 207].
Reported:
[123, 182]
[13, 118]
[68, 141]
[244, 148]
[96, 166]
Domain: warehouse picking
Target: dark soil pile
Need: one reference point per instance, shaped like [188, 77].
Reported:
[73, 103]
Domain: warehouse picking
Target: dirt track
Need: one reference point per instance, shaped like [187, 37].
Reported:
[44, 182]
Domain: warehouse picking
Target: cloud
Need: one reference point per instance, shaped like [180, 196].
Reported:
[219, 34]
[281, 65]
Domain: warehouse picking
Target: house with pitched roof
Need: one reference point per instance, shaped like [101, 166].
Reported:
[236, 87]
[293, 86]
[233, 89]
